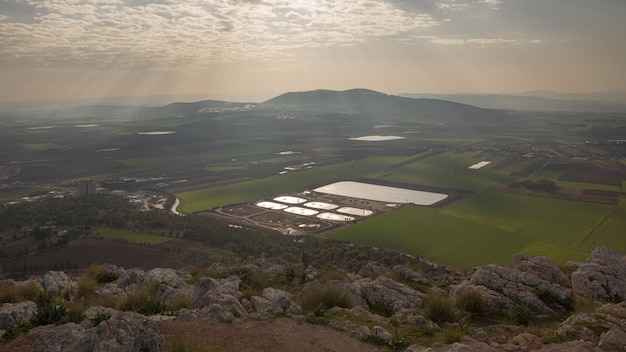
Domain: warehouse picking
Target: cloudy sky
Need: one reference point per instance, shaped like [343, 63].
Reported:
[251, 50]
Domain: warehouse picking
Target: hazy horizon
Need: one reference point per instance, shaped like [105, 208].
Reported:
[253, 50]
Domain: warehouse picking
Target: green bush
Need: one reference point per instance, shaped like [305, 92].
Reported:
[43, 298]
[152, 307]
[139, 299]
[49, 314]
[383, 308]
[321, 298]
[252, 281]
[13, 331]
[472, 302]
[439, 308]
[107, 276]
[523, 313]
[75, 315]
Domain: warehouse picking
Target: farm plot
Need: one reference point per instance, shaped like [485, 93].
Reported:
[449, 169]
[609, 232]
[484, 228]
[248, 191]
[589, 173]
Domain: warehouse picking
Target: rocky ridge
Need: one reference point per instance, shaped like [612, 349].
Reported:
[581, 309]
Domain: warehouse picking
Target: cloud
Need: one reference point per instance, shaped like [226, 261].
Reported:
[479, 41]
[491, 3]
[103, 34]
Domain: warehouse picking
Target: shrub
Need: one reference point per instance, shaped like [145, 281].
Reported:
[439, 308]
[43, 298]
[452, 335]
[472, 302]
[177, 303]
[523, 313]
[584, 305]
[8, 293]
[321, 298]
[383, 308]
[75, 314]
[136, 300]
[87, 286]
[49, 314]
[152, 307]
[252, 281]
[13, 331]
[106, 277]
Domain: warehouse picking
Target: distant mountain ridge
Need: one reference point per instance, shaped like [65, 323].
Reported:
[537, 101]
[369, 102]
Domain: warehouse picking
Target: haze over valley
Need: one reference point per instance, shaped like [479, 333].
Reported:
[235, 174]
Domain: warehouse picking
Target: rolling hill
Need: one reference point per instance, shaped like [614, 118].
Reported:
[370, 103]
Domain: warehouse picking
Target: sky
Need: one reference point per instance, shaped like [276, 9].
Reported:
[252, 50]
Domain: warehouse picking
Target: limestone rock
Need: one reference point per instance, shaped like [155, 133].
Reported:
[57, 281]
[372, 271]
[382, 334]
[602, 277]
[207, 290]
[131, 277]
[116, 335]
[543, 296]
[12, 313]
[528, 342]
[110, 291]
[613, 340]
[167, 276]
[281, 301]
[570, 346]
[385, 291]
[542, 267]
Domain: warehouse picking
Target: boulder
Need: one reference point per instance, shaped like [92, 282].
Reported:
[496, 302]
[131, 277]
[541, 295]
[542, 267]
[167, 276]
[12, 313]
[207, 290]
[110, 291]
[602, 277]
[570, 346]
[613, 340]
[528, 342]
[405, 274]
[57, 281]
[466, 344]
[386, 293]
[382, 334]
[129, 333]
[372, 271]
[281, 302]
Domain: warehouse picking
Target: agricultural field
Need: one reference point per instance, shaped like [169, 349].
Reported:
[227, 157]
[489, 228]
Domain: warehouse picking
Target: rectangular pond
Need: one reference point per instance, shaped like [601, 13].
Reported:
[381, 193]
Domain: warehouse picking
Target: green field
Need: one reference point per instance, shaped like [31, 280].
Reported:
[485, 228]
[130, 236]
[248, 191]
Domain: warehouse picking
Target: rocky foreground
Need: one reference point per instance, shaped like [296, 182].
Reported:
[533, 305]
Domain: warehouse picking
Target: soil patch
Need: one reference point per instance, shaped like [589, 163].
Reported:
[80, 253]
[589, 173]
[281, 335]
